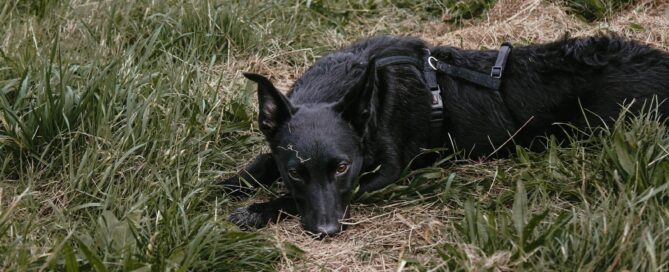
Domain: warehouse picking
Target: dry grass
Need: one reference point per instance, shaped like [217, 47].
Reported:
[535, 21]
[382, 237]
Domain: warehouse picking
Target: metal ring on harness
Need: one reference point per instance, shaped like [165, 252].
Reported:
[429, 61]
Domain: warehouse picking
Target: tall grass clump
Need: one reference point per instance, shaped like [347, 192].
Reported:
[458, 11]
[595, 203]
[593, 10]
[111, 137]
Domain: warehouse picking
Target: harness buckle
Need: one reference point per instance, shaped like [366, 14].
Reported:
[437, 102]
[496, 72]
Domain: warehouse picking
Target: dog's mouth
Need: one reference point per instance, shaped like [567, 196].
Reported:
[326, 227]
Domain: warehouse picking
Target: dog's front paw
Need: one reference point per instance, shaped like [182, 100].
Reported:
[248, 217]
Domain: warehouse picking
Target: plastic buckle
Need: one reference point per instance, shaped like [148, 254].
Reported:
[437, 103]
[496, 72]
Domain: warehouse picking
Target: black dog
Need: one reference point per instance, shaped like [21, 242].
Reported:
[348, 115]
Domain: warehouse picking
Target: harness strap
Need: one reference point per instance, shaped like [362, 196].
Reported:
[500, 62]
[437, 106]
[394, 60]
[430, 67]
[491, 81]
[430, 75]
[475, 77]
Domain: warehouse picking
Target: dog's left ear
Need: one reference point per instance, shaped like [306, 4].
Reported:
[358, 105]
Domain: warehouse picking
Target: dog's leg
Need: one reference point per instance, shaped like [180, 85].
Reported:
[389, 172]
[260, 214]
[261, 171]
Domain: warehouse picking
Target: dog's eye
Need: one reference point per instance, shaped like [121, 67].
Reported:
[342, 168]
[293, 173]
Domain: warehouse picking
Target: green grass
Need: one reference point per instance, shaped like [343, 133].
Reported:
[117, 119]
[598, 202]
[112, 134]
[594, 10]
[458, 10]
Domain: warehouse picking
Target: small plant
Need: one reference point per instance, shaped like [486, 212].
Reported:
[457, 10]
[498, 240]
[594, 10]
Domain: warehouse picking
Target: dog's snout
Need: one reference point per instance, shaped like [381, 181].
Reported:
[328, 229]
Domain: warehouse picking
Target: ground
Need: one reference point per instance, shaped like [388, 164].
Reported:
[118, 119]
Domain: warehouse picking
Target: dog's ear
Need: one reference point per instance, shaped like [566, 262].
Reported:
[358, 104]
[275, 109]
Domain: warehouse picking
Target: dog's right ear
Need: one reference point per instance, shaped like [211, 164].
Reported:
[358, 104]
[275, 109]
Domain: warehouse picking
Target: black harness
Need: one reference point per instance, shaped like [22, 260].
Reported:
[431, 65]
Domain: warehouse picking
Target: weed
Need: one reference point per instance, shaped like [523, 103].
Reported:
[468, 9]
[593, 10]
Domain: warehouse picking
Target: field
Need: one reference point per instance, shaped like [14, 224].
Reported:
[119, 119]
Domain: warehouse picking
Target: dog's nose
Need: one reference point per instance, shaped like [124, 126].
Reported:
[328, 229]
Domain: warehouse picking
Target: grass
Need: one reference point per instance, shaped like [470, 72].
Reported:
[112, 135]
[592, 10]
[597, 204]
[117, 119]
[458, 11]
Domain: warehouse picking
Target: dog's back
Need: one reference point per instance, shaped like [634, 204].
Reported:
[619, 70]
[559, 82]
[334, 74]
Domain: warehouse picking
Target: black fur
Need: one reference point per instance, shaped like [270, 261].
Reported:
[345, 111]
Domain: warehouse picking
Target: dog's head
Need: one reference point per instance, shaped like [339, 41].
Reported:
[317, 147]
